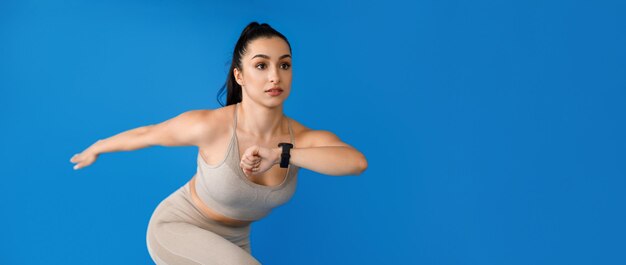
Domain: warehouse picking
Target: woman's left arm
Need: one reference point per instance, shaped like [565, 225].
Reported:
[325, 153]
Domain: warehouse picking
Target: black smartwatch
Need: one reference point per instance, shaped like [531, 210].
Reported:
[284, 156]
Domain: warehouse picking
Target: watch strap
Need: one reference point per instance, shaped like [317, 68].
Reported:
[285, 154]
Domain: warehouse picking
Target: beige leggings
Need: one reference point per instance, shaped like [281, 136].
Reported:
[178, 233]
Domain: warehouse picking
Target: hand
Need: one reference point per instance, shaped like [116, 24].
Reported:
[83, 159]
[257, 159]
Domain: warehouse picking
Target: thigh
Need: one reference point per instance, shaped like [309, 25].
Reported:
[185, 243]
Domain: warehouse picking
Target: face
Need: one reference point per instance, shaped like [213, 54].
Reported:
[266, 65]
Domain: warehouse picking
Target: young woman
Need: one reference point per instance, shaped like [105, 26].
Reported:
[249, 153]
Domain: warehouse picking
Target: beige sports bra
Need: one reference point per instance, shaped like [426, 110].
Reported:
[226, 189]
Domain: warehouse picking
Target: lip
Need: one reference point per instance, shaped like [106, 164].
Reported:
[274, 88]
[274, 92]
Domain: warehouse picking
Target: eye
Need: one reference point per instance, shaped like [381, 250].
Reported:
[261, 66]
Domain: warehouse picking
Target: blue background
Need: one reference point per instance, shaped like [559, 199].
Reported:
[494, 130]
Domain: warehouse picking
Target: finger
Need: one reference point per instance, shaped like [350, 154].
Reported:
[245, 166]
[252, 162]
[252, 150]
[252, 159]
[255, 150]
[247, 160]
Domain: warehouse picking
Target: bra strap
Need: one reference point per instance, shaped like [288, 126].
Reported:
[235, 119]
[290, 131]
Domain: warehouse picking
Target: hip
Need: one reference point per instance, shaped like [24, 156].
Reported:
[179, 207]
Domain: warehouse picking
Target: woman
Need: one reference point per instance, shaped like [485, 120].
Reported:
[207, 220]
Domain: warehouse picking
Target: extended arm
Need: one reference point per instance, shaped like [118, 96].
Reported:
[124, 141]
[183, 130]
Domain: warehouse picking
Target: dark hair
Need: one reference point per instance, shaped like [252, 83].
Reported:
[251, 32]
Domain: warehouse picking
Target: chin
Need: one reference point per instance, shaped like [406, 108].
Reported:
[275, 103]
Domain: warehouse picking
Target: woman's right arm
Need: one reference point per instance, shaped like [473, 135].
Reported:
[188, 128]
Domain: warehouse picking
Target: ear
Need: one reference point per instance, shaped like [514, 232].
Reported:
[238, 76]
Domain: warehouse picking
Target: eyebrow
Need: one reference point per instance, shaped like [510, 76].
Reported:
[267, 57]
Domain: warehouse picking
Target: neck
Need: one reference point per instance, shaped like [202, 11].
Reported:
[259, 121]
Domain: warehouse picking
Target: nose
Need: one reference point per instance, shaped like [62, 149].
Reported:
[274, 77]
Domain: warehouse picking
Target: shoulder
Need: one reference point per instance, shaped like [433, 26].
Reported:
[191, 127]
[209, 118]
[211, 123]
[193, 116]
[193, 120]
[307, 137]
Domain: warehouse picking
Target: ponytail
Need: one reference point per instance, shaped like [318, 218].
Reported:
[251, 32]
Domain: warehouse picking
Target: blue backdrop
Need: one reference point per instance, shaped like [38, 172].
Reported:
[494, 130]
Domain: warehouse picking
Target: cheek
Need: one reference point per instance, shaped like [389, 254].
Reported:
[254, 79]
[287, 75]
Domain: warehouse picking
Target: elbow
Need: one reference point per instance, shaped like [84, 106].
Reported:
[147, 136]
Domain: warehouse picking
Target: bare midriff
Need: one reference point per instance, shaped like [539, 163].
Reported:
[210, 213]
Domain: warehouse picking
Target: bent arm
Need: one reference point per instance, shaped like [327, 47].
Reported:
[326, 154]
[327, 160]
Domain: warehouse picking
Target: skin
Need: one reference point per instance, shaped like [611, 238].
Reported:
[261, 125]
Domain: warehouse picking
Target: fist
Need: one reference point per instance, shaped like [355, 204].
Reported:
[257, 159]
